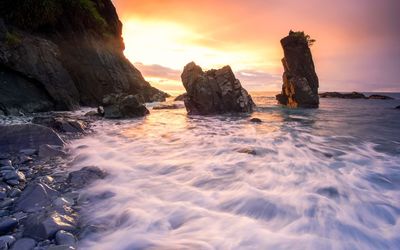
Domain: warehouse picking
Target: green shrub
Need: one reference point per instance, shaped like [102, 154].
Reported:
[12, 39]
[302, 35]
[48, 14]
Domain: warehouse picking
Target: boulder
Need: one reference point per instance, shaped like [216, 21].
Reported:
[118, 106]
[49, 151]
[180, 97]
[42, 227]
[14, 138]
[300, 82]
[214, 91]
[35, 197]
[380, 97]
[65, 238]
[85, 176]
[24, 244]
[61, 124]
[352, 95]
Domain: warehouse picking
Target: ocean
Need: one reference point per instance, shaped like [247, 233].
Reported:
[326, 178]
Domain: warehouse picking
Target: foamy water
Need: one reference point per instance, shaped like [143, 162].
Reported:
[303, 179]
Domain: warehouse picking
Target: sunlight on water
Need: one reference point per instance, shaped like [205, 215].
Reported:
[303, 179]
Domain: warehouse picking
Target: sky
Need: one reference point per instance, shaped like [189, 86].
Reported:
[357, 41]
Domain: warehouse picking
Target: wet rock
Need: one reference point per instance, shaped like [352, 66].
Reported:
[5, 162]
[61, 247]
[330, 192]
[60, 124]
[42, 227]
[14, 192]
[49, 151]
[300, 82]
[118, 106]
[6, 241]
[249, 151]
[65, 238]
[92, 113]
[14, 175]
[180, 97]
[398, 107]
[352, 95]
[380, 97]
[24, 244]
[28, 151]
[214, 91]
[256, 120]
[35, 197]
[85, 176]
[7, 202]
[16, 137]
[7, 224]
[167, 106]
[13, 182]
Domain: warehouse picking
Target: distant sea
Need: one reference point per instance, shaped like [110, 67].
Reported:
[326, 178]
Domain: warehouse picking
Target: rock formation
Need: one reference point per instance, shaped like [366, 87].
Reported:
[123, 106]
[300, 82]
[64, 54]
[214, 91]
[353, 95]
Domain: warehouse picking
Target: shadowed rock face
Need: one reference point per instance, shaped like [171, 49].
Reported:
[214, 91]
[300, 82]
[70, 61]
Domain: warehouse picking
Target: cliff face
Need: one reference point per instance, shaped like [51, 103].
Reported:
[62, 54]
[300, 82]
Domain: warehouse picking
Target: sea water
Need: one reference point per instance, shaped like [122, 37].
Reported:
[326, 178]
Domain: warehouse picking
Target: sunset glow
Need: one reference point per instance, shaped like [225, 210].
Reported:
[169, 34]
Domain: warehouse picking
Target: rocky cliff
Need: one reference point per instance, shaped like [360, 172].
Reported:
[62, 54]
[300, 82]
[214, 91]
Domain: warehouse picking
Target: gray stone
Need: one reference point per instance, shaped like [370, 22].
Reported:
[5, 162]
[214, 91]
[85, 176]
[13, 182]
[123, 106]
[7, 168]
[35, 197]
[28, 151]
[49, 151]
[44, 227]
[6, 241]
[14, 192]
[14, 175]
[7, 203]
[65, 238]
[300, 82]
[61, 247]
[16, 137]
[7, 224]
[24, 244]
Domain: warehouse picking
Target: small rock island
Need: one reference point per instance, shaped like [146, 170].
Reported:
[300, 82]
[214, 91]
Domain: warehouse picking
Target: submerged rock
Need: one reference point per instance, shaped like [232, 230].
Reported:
[14, 138]
[167, 106]
[214, 91]
[255, 120]
[85, 176]
[380, 97]
[352, 95]
[7, 224]
[300, 82]
[123, 106]
[398, 107]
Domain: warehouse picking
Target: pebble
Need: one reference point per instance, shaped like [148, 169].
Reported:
[24, 244]
[5, 163]
[6, 203]
[256, 120]
[7, 224]
[6, 241]
[13, 182]
[6, 168]
[14, 192]
[65, 238]
[28, 151]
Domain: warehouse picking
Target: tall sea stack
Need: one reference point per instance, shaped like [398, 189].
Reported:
[57, 55]
[300, 82]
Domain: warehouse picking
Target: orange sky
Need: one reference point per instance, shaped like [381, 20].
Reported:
[356, 49]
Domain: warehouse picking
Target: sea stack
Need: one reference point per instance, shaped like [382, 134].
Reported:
[214, 91]
[300, 82]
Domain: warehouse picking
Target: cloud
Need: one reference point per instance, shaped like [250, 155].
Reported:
[158, 71]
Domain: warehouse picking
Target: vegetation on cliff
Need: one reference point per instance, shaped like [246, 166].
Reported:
[50, 15]
[302, 35]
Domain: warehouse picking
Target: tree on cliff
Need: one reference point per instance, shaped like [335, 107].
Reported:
[303, 35]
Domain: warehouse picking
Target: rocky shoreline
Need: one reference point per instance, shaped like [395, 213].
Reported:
[39, 195]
